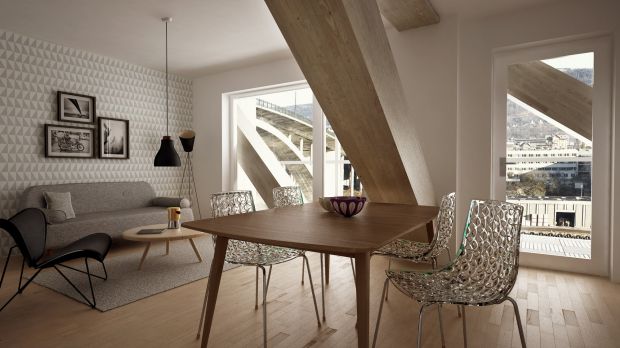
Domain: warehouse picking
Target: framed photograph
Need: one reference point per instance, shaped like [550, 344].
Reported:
[113, 138]
[69, 142]
[76, 107]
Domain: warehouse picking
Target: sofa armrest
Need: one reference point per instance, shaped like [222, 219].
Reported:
[171, 202]
[54, 216]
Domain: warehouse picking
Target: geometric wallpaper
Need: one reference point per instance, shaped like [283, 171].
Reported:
[31, 71]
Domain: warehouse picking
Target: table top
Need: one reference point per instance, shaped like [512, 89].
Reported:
[309, 227]
[168, 234]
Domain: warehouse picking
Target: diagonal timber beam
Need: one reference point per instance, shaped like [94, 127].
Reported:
[342, 49]
[553, 93]
[408, 14]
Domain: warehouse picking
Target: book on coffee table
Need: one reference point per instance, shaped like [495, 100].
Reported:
[152, 231]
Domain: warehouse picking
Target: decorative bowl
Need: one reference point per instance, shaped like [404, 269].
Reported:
[326, 204]
[347, 206]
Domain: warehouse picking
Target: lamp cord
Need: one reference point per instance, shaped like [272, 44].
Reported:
[167, 132]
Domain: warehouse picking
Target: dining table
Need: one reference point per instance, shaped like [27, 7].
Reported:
[309, 227]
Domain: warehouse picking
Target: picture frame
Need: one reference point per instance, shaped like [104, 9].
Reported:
[77, 108]
[113, 138]
[69, 142]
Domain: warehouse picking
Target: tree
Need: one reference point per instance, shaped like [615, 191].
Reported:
[526, 186]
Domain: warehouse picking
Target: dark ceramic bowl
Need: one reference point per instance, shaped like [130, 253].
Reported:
[347, 206]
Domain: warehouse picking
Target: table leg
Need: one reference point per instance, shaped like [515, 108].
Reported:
[430, 231]
[146, 251]
[362, 291]
[191, 241]
[326, 268]
[221, 243]
[167, 247]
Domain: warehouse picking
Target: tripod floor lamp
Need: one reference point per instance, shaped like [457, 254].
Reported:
[187, 138]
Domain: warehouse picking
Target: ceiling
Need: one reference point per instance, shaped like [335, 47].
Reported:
[205, 36]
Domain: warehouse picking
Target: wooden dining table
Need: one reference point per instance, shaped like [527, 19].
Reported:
[309, 227]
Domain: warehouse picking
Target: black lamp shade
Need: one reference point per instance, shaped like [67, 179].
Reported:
[167, 156]
[187, 138]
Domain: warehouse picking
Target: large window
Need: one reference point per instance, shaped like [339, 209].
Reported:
[282, 139]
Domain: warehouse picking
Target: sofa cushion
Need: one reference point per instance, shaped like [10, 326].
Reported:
[60, 201]
[112, 223]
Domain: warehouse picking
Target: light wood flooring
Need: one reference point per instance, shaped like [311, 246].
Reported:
[557, 309]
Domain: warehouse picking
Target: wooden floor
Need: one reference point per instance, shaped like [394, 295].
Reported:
[559, 309]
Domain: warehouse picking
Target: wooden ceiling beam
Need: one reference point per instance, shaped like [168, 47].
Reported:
[408, 14]
[342, 49]
[554, 93]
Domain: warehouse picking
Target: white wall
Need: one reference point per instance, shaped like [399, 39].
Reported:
[477, 40]
[429, 80]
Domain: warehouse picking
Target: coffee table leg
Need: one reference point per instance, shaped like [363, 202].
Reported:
[146, 251]
[191, 241]
[167, 247]
[221, 243]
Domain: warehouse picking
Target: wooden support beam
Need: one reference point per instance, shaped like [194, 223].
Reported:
[554, 93]
[408, 14]
[342, 48]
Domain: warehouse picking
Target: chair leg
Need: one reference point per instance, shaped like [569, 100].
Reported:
[105, 271]
[519, 325]
[269, 276]
[21, 275]
[353, 268]
[383, 295]
[264, 306]
[322, 287]
[90, 282]
[20, 290]
[256, 292]
[303, 260]
[420, 325]
[316, 309]
[6, 263]
[387, 290]
[75, 287]
[443, 340]
[464, 327]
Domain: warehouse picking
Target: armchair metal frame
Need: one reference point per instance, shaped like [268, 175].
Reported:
[28, 228]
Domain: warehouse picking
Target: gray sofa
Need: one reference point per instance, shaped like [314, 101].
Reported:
[107, 207]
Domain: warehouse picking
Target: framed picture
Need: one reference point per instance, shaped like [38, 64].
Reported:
[113, 138]
[76, 107]
[69, 142]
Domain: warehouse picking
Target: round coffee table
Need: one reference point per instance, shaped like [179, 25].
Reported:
[166, 236]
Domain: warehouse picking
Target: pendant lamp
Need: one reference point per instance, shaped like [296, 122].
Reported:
[167, 156]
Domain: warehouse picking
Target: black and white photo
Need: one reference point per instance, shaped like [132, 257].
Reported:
[69, 142]
[74, 107]
[113, 138]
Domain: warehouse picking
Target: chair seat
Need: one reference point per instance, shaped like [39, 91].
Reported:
[405, 249]
[259, 254]
[94, 246]
[445, 287]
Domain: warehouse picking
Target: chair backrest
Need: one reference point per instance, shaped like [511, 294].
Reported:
[445, 225]
[231, 203]
[29, 231]
[488, 259]
[287, 195]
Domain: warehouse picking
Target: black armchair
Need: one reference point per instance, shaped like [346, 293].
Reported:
[29, 231]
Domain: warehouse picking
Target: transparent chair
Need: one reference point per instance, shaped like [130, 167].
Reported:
[483, 272]
[252, 254]
[425, 252]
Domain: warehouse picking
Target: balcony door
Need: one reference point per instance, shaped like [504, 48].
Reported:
[551, 150]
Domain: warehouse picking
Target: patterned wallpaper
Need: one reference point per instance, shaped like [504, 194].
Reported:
[31, 71]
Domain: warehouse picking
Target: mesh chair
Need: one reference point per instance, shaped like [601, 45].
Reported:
[483, 272]
[425, 252]
[28, 229]
[252, 254]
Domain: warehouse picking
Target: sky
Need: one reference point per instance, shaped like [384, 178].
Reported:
[575, 61]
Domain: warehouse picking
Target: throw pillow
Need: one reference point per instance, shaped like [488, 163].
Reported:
[60, 201]
[54, 216]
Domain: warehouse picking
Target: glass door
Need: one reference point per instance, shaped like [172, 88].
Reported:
[551, 142]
